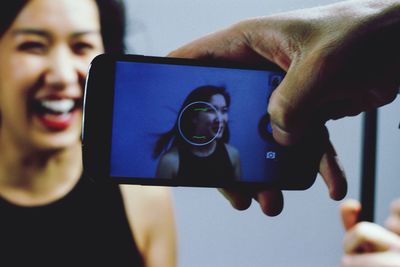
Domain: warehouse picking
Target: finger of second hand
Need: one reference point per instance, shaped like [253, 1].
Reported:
[393, 224]
[350, 210]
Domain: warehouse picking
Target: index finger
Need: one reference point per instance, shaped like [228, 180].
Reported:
[241, 42]
[349, 211]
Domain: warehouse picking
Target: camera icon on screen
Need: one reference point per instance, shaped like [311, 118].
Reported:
[270, 155]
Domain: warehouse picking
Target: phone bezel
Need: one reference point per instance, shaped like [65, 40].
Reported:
[97, 130]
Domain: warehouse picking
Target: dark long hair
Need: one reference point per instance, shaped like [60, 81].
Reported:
[204, 94]
[112, 21]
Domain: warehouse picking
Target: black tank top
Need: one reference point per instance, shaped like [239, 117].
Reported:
[215, 167]
[87, 227]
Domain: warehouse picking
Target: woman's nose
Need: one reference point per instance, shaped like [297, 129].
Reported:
[218, 116]
[62, 69]
[222, 116]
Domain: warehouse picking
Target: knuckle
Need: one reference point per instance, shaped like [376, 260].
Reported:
[361, 228]
[280, 112]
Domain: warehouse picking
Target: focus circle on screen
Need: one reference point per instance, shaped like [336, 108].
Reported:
[199, 123]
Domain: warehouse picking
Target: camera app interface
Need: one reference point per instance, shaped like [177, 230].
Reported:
[193, 123]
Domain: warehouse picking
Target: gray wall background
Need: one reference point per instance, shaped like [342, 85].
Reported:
[308, 232]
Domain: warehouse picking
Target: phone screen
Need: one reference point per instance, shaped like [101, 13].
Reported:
[193, 123]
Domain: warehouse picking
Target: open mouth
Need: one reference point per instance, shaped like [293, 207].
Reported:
[56, 114]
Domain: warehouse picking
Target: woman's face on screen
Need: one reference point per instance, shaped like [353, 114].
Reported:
[212, 122]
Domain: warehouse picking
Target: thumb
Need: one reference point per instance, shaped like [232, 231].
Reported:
[292, 104]
[350, 210]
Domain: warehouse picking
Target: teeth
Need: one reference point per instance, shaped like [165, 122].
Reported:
[59, 106]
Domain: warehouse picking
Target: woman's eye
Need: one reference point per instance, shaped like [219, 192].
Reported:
[82, 47]
[32, 47]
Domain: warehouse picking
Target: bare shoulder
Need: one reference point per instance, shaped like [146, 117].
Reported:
[146, 199]
[232, 152]
[170, 157]
[169, 164]
[234, 156]
[155, 237]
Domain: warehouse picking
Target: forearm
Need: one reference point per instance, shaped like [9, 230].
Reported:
[341, 59]
[350, 8]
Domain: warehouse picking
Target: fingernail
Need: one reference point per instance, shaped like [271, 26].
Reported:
[281, 136]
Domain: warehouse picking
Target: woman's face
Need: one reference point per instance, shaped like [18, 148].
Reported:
[44, 57]
[208, 122]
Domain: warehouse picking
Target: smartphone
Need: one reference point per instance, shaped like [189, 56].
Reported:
[184, 122]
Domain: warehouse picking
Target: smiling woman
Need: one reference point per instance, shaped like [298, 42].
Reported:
[48, 210]
[51, 53]
[199, 149]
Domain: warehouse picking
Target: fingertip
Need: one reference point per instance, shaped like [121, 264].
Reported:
[339, 190]
[351, 203]
[182, 52]
[333, 174]
[350, 210]
[283, 137]
[395, 206]
[243, 204]
[238, 200]
[173, 53]
[271, 202]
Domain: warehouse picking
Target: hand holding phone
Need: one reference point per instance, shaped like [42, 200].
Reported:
[186, 122]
